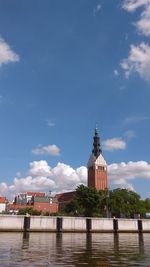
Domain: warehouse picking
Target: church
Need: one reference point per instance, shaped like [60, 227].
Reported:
[97, 166]
[96, 172]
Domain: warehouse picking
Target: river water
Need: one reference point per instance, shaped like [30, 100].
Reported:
[74, 250]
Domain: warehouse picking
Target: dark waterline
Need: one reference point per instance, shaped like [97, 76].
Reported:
[74, 249]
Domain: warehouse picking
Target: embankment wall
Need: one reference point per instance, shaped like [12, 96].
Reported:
[71, 224]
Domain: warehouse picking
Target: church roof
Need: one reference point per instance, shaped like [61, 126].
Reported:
[96, 157]
[100, 161]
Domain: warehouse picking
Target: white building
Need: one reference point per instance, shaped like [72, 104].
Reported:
[2, 204]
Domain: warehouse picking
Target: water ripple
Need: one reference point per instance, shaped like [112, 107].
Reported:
[74, 250]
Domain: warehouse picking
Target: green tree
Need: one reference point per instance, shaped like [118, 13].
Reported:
[118, 202]
[88, 199]
[124, 202]
[147, 204]
[73, 208]
[105, 205]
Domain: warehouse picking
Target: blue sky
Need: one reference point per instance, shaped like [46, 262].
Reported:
[66, 66]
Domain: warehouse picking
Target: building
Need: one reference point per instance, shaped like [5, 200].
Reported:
[35, 200]
[65, 198]
[45, 204]
[13, 208]
[25, 198]
[97, 173]
[97, 166]
[3, 202]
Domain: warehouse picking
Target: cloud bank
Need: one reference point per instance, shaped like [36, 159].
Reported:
[138, 60]
[41, 177]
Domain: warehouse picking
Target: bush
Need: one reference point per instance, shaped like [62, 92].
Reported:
[30, 211]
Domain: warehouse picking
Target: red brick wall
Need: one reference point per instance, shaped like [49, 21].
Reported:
[101, 180]
[46, 207]
[97, 178]
[91, 177]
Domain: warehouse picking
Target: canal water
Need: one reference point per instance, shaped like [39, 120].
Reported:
[74, 250]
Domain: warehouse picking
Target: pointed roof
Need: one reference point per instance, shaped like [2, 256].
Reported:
[93, 161]
[96, 144]
[96, 157]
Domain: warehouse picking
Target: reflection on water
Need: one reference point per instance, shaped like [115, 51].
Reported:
[74, 249]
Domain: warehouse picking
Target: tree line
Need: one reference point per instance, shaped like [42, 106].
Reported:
[107, 203]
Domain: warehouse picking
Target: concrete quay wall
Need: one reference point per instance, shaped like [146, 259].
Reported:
[103, 225]
[127, 225]
[43, 223]
[71, 224]
[11, 223]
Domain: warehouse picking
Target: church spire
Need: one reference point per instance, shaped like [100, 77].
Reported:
[97, 166]
[96, 144]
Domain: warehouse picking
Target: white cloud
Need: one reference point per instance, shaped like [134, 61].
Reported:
[122, 174]
[122, 183]
[6, 54]
[29, 183]
[3, 189]
[40, 168]
[67, 178]
[135, 119]
[46, 150]
[44, 178]
[138, 61]
[128, 171]
[115, 143]
[143, 25]
[132, 5]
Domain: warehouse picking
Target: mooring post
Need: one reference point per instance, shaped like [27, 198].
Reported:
[27, 223]
[88, 225]
[140, 226]
[59, 224]
[115, 225]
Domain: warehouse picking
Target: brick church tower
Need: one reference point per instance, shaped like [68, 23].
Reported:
[97, 166]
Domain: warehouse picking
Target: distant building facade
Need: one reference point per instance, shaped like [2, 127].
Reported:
[36, 200]
[64, 198]
[97, 166]
[45, 204]
[25, 198]
[3, 203]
